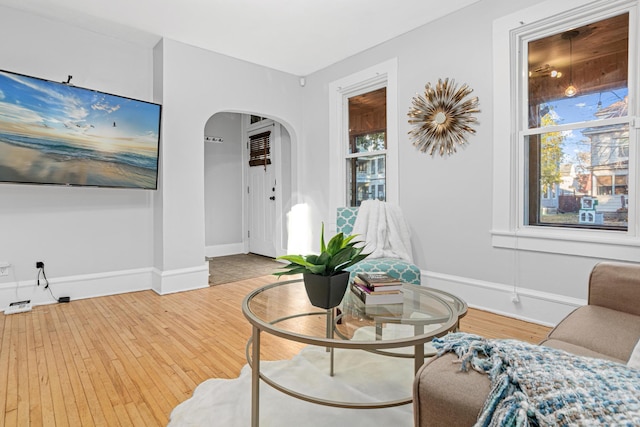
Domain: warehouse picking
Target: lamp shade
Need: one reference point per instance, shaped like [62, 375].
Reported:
[571, 90]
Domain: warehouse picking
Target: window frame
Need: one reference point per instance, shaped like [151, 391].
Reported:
[375, 77]
[509, 229]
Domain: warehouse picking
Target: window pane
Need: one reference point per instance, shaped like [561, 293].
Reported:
[368, 121]
[366, 179]
[260, 149]
[369, 142]
[583, 108]
[579, 178]
[592, 59]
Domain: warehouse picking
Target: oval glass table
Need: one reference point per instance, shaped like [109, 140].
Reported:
[282, 309]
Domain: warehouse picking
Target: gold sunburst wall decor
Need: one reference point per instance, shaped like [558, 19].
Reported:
[442, 118]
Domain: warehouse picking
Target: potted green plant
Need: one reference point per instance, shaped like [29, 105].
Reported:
[325, 276]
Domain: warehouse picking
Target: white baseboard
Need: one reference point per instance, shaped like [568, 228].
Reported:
[224, 250]
[76, 287]
[103, 284]
[185, 279]
[533, 306]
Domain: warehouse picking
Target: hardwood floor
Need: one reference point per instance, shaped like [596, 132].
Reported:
[128, 360]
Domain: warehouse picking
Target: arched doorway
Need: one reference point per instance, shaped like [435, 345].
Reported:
[246, 197]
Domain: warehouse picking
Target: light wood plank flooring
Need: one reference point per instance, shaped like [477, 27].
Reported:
[128, 360]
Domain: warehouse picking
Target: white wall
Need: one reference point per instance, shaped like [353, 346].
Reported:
[196, 85]
[85, 235]
[97, 241]
[223, 185]
[447, 201]
[104, 241]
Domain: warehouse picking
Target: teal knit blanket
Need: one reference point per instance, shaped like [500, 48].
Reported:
[533, 385]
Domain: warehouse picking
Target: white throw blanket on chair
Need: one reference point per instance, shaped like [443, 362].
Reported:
[383, 228]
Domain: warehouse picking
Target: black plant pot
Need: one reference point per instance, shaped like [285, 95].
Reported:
[326, 291]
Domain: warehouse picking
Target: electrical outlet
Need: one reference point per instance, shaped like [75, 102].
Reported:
[4, 268]
[39, 264]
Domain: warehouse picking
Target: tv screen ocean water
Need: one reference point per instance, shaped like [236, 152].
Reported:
[56, 133]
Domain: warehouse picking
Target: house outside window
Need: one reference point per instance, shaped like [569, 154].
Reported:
[565, 154]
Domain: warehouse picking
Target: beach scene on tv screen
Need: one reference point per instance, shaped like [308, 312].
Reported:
[53, 133]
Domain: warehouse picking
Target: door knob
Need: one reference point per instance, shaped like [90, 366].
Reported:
[272, 198]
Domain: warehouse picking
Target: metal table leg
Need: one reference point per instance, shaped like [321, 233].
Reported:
[330, 319]
[418, 352]
[378, 330]
[255, 378]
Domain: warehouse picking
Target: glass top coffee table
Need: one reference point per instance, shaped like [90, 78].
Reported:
[282, 309]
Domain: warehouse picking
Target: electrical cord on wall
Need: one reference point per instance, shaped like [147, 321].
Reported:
[42, 274]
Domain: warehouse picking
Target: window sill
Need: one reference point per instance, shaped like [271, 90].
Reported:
[584, 243]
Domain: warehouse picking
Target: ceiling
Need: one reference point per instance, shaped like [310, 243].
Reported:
[595, 59]
[295, 36]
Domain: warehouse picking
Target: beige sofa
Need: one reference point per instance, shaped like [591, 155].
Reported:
[608, 327]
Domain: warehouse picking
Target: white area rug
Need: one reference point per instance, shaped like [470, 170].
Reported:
[359, 377]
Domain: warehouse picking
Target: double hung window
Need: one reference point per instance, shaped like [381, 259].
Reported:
[363, 130]
[367, 154]
[576, 133]
[566, 160]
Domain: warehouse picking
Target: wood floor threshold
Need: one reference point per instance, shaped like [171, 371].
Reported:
[129, 359]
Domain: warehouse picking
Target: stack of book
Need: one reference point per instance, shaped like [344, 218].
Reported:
[377, 288]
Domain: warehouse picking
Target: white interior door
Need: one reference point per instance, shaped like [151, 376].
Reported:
[262, 209]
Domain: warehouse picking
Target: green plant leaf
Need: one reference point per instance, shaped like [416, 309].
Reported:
[335, 244]
[355, 260]
[296, 259]
[324, 258]
[322, 245]
[348, 240]
[318, 269]
[312, 259]
[342, 257]
[296, 269]
[336, 255]
[290, 266]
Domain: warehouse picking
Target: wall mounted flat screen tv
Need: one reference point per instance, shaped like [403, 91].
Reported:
[60, 134]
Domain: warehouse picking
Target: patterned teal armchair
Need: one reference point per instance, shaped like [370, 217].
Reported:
[399, 268]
